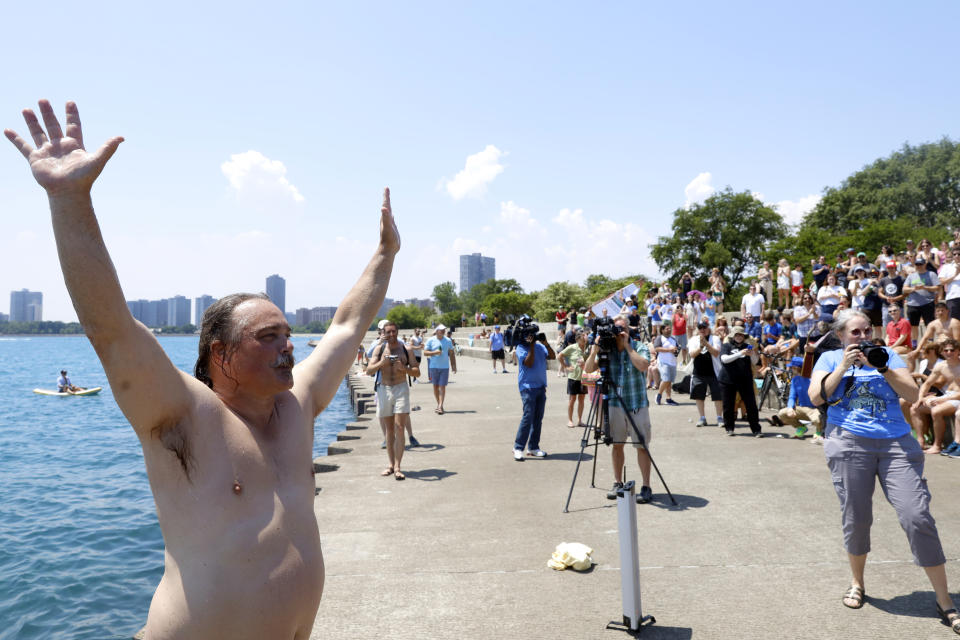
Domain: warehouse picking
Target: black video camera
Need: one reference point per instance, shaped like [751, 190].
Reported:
[607, 332]
[521, 332]
[876, 355]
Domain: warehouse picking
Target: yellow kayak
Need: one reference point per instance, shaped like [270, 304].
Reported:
[60, 394]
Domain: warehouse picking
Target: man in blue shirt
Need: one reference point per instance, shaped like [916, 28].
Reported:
[532, 379]
[442, 360]
[799, 409]
[751, 325]
[496, 349]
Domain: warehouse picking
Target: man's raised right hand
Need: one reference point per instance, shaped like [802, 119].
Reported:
[60, 164]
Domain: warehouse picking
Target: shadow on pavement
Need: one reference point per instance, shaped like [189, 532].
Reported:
[684, 502]
[425, 447]
[919, 604]
[429, 475]
[573, 455]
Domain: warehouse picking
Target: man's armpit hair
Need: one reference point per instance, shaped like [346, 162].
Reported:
[173, 437]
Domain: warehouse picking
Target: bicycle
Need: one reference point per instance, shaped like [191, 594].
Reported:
[776, 379]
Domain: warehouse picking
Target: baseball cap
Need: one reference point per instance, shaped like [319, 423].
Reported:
[850, 250]
[891, 265]
[796, 361]
[703, 324]
[859, 268]
[381, 323]
[737, 329]
[440, 327]
[861, 253]
[920, 260]
[496, 326]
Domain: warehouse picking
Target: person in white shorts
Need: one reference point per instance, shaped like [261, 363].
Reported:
[394, 362]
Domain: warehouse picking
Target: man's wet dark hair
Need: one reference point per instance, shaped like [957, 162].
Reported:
[218, 324]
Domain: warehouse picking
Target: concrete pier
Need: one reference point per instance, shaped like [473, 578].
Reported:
[459, 549]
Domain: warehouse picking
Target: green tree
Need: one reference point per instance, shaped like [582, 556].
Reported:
[510, 303]
[445, 294]
[921, 183]
[471, 301]
[556, 295]
[730, 230]
[408, 316]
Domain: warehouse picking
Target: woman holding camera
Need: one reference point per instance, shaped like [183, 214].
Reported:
[867, 438]
[736, 376]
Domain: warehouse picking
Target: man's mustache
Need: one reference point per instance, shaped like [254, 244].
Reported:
[284, 360]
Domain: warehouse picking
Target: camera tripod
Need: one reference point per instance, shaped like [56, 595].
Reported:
[598, 421]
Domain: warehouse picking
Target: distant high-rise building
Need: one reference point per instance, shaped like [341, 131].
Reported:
[26, 306]
[305, 316]
[388, 303]
[200, 305]
[136, 308]
[474, 269]
[277, 291]
[178, 311]
[423, 303]
[4, 318]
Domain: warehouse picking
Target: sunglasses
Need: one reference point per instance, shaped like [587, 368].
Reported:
[947, 350]
[860, 332]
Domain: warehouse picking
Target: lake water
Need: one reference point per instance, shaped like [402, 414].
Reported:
[80, 548]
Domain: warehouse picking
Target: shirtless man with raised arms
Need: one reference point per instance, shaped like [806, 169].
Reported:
[228, 452]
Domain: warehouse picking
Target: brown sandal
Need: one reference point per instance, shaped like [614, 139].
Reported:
[950, 618]
[856, 594]
[386, 472]
[399, 475]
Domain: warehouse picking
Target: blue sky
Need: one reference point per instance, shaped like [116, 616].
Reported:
[556, 137]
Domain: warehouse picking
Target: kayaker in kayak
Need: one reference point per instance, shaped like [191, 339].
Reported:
[64, 385]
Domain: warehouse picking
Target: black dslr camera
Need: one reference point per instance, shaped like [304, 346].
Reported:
[876, 355]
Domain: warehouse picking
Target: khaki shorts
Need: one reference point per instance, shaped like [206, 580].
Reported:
[393, 399]
[620, 428]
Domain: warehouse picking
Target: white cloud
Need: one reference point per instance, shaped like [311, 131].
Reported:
[253, 174]
[479, 171]
[568, 246]
[516, 218]
[699, 189]
[794, 210]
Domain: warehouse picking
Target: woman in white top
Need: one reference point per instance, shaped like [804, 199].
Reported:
[796, 283]
[950, 279]
[830, 295]
[783, 283]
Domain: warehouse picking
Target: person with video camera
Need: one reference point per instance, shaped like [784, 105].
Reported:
[629, 361]
[868, 438]
[533, 351]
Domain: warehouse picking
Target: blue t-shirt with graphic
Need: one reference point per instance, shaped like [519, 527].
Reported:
[496, 341]
[868, 406]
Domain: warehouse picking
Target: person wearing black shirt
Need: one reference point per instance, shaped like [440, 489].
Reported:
[820, 269]
[736, 376]
[891, 290]
[704, 348]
